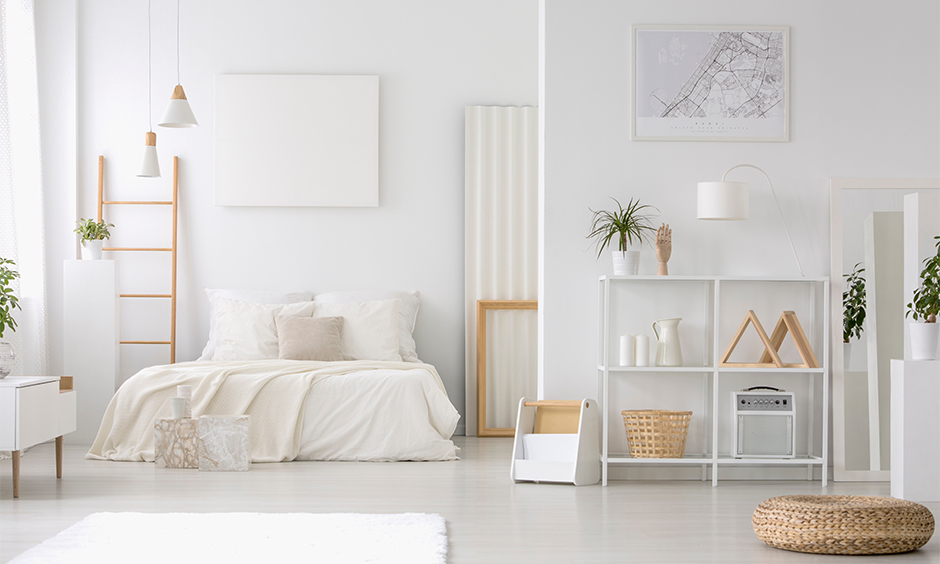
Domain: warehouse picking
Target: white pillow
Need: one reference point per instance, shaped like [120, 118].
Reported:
[248, 331]
[252, 296]
[370, 329]
[407, 314]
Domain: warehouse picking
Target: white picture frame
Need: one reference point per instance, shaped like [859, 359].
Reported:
[746, 96]
[297, 140]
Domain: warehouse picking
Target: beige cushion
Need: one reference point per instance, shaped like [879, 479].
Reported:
[309, 338]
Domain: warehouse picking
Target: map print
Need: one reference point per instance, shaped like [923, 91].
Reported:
[710, 84]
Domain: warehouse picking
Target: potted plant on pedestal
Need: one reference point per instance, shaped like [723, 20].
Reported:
[93, 234]
[853, 309]
[925, 305]
[8, 302]
[627, 226]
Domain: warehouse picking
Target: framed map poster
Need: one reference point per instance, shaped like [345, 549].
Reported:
[711, 83]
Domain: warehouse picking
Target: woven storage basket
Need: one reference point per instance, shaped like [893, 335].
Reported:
[654, 433]
[843, 524]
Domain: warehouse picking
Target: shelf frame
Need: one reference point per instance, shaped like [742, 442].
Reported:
[711, 376]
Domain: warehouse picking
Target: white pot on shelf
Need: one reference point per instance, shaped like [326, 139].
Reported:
[91, 250]
[626, 262]
[924, 340]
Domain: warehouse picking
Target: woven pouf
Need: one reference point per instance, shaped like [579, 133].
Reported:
[843, 524]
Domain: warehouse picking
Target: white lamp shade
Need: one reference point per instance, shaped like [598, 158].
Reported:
[178, 114]
[722, 200]
[151, 166]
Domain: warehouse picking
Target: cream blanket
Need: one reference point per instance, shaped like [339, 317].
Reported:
[272, 392]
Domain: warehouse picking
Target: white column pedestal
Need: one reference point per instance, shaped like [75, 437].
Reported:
[915, 430]
[90, 329]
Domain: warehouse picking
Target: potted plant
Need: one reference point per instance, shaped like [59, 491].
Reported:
[924, 306]
[853, 309]
[93, 234]
[8, 302]
[628, 226]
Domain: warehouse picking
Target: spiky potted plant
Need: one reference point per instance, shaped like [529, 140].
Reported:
[8, 302]
[628, 227]
[924, 307]
[93, 234]
[853, 309]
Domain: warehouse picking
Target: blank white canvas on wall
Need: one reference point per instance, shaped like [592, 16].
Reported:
[296, 140]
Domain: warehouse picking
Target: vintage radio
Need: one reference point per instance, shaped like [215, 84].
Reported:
[764, 420]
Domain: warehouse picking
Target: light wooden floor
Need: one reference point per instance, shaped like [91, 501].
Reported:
[489, 519]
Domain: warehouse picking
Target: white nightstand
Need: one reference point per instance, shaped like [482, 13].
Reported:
[35, 409]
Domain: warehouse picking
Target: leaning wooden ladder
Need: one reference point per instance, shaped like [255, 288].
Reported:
[172, 249]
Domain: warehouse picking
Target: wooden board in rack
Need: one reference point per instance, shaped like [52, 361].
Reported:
[788, 323]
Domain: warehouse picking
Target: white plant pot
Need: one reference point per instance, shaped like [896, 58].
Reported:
[626, 262]
[91, 250]
[924, 340]
[847, 355]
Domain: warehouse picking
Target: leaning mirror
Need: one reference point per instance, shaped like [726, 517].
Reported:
[880, 231]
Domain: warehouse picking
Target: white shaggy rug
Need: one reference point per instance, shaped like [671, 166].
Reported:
[246, 537]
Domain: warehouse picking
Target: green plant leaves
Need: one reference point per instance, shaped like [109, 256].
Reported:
[8, 301]
[926, 303]
[91, 230]
[628, 226]
[853, 304]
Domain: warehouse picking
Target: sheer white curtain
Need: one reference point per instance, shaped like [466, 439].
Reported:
[21, 216]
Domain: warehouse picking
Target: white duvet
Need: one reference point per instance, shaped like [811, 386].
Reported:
[356, 410]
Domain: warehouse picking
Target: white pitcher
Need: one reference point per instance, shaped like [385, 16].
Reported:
[668, 351]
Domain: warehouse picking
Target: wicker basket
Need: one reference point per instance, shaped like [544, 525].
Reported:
[656, 433]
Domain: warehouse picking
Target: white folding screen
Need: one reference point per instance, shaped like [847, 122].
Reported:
[501, 254]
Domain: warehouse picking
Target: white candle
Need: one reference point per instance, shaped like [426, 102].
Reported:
[177, 408]
[642, 350]
[627, 350]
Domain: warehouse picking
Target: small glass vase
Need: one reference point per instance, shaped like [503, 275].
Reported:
[7, 358]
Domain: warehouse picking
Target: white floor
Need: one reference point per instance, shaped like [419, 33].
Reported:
[489, 519]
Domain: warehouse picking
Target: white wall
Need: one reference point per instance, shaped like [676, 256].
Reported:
[433, 58]
[865, 85]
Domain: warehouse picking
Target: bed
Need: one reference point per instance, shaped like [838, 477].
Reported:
[330, 390]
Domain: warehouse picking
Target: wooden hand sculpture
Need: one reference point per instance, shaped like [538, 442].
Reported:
[663, 248]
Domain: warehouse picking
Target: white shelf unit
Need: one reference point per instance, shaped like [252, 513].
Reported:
[712, 308]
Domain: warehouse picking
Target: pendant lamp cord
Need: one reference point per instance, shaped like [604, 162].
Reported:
[774, 194]
[178, 41]
[149, 70]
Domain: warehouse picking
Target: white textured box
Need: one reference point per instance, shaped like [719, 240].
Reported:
[223, 443]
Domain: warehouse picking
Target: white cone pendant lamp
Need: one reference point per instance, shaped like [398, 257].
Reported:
[178, 113]
[150, 168]
[151, 165]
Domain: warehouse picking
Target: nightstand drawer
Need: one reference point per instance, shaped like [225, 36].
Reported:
[35, 424]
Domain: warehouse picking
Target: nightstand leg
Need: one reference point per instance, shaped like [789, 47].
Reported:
[58, 456]
[16, 473]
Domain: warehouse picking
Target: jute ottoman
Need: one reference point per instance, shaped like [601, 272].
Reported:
[843, 524]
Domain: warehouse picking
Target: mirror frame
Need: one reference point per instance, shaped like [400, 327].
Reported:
[836, 186]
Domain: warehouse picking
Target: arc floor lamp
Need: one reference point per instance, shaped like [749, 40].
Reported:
[729, 201]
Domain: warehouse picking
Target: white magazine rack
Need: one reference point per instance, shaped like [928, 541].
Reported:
[556, 441]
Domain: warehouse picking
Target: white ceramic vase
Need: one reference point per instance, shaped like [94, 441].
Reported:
[846, 355]
[91, 250]
[924, 340]
[626, 262]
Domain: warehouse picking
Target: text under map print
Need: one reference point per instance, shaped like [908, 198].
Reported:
[725, 84]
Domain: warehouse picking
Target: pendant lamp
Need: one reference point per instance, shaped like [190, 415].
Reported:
[178, 113]
[151, 165]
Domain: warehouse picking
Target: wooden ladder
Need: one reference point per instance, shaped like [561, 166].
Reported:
[172, 249]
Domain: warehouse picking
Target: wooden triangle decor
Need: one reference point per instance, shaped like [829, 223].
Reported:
[749, 319]
[788, 323]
